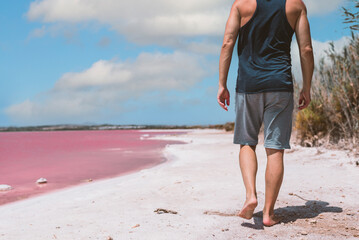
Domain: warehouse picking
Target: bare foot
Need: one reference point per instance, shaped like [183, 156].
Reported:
[248, 208]
[270, 220]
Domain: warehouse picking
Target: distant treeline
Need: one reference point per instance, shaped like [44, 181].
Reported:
[227, 127]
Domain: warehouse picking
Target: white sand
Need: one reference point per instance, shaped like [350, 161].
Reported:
[202, 182]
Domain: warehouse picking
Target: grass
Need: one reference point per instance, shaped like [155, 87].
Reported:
[333, 113]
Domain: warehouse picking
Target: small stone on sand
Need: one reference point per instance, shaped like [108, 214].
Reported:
[5, 187]
[137, 225]
[162, 210]
[41, 180]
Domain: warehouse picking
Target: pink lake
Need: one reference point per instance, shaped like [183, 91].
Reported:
[68, 158]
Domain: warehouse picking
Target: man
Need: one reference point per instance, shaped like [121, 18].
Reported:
[264, 89]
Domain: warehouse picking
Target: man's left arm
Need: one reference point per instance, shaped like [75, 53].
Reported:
[229, 40]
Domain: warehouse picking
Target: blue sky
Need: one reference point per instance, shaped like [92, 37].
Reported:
[64, 61]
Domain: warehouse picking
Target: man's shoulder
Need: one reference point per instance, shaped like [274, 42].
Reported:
[298, 5]
[245, 6]
[241, 3]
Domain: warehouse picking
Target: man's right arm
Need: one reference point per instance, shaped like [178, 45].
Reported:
[302, 32]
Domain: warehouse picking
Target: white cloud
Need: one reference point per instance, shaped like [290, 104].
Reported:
[158, 21]
[163, 22]
[107, 85]
[319, 49]
[322, 7]
[205, 47]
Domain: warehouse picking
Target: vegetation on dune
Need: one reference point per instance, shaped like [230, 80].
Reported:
[333, 113]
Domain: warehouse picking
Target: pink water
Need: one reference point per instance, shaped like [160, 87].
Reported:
[67, 158]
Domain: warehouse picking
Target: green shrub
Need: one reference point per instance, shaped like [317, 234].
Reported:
[334, 109]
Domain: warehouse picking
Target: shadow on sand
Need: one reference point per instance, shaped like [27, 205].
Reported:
[311, 209]
[288, 214]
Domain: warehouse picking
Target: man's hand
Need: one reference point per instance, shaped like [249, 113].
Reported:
[223, 97]
[304, 99]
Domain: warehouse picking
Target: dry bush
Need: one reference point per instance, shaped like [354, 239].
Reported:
[334, 109]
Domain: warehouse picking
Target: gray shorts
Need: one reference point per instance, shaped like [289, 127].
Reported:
[273, 109]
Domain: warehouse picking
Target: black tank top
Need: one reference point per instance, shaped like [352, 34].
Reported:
[264, 50]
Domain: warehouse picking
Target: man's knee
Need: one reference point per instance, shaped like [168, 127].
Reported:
[271, 151]
[274, 149]
[251, 146]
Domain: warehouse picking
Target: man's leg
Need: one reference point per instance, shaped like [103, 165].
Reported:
[248, 165]
[273, 179]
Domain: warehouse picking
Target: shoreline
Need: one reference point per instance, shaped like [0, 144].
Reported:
[201, 182]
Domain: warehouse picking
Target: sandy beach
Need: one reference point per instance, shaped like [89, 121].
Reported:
[200, 190]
